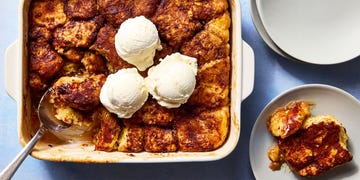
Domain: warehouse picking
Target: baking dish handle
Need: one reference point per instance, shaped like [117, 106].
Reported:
[248, 70]
[11, 71]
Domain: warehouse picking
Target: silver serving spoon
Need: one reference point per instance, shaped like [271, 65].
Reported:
[48, 121]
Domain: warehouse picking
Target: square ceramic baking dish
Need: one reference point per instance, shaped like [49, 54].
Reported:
[16, 77]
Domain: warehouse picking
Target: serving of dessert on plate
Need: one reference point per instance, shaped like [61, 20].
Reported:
[310, 145]
[134, 76]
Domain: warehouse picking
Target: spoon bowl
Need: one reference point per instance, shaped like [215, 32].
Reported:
[46, 114]
[48, 121]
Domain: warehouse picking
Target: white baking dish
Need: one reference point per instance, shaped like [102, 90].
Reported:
[242, 74]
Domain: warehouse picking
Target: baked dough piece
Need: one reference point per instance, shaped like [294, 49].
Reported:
[132, 137]
[145, 8]
[204, 131]
[73, 54]
[208, 9]
[211, 43]
[158, 139]
[285, 121]
[78, 92]
[81, 8]
[94, 63]
[320, 145]
[77, 33]
[105, 45]
[37, 84]
[44, 60]
[71, 69]
[212, 89]
[107, 137]
[40, 34]
[115, 11]
[49, 14]
[73, 116]
[151, 113]
[174, 23]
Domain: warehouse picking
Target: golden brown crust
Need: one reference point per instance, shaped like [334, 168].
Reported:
[204, 131]
[72, 116]
[276, 158]
[287, 120]
[159, 139]
[115, 11]
[81, 8]
[210, 43]
[94, 63]
[107, 137]
[77, 33]
[132, 137]
[71, 69]
[145, 8]
[73, 54]
[44, 60]
[105, 46]
[40, 34]
[212, 89]
[174, 23]
[49, 14]
[316, 148]
[151, 113]
[79, 92]
[36, 83]
[208, 9]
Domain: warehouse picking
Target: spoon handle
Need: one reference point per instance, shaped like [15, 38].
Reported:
[10, 170]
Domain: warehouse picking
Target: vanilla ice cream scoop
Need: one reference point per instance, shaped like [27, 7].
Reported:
[172, 81]
[137, 41]
[124, 92]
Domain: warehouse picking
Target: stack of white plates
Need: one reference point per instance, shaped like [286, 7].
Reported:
[313, 31]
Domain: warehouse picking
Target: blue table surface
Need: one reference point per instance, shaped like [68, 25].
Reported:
[273, 75]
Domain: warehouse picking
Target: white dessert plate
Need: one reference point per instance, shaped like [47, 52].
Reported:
[314, 31]
[328, 100]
